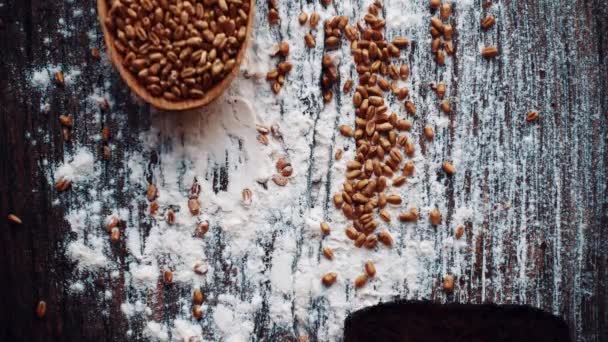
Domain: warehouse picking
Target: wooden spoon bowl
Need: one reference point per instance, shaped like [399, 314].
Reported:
[160, 102]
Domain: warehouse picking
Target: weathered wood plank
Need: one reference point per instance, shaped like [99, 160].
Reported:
[537, 193]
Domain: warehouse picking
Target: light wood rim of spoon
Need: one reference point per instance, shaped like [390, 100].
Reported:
[159, 102]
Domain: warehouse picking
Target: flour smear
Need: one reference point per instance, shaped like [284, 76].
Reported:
[270, 252]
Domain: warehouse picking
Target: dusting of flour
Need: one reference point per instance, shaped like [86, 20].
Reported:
[282, 221]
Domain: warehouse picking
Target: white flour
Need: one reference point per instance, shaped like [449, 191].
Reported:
[206, 135]
[79, 169]
[43, 77]
[223, 134]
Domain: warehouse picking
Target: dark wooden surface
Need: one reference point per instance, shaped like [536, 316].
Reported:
[556, 62]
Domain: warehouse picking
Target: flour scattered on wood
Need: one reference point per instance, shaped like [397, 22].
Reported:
[43, 77]
[270, 252]
[191, 146]
[90, 256]
[157, 331]
[79, 169]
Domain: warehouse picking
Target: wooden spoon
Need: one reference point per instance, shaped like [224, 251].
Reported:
[160, 102]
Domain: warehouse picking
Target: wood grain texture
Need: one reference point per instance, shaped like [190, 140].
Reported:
[538, 191]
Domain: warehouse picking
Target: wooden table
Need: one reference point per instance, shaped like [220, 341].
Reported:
[539, 190]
